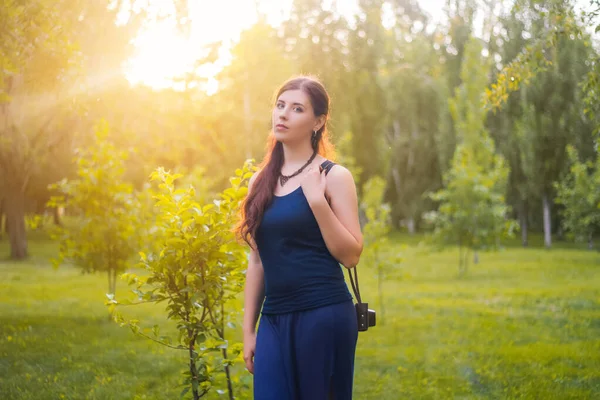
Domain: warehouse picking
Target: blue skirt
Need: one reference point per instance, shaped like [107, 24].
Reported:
[306, 355]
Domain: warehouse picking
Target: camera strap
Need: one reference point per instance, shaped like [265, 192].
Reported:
[326, 166]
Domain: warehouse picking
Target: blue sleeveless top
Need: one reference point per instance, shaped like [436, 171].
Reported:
[299, 271]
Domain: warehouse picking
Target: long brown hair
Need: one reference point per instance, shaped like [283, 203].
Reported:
[260, 197]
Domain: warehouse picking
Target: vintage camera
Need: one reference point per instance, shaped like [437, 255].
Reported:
[366, 317]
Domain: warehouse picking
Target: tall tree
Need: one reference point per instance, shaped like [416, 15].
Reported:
[552, 117]
[472, 209]
[367, 116]
[451, 38]
[414, 105]
[51, 56]
[503, 124]
[35, 54]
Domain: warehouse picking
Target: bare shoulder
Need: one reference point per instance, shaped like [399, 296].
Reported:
[340, 175]
[340, 182]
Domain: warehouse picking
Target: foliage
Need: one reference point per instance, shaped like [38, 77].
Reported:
[472, 212]
[35, 54]
[344, 156]
[198, 269]
[579, 192]
[561, 21]
[51, 63]
[591, 89]
[378, 254]
[415, 110]
[106, 234]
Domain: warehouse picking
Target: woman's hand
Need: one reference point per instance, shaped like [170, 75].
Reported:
[313, 185]
[249, 349]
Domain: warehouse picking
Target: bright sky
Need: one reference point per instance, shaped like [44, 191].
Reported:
[161, 53]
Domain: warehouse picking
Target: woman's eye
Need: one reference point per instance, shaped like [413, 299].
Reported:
[298, 109]
[280, 105]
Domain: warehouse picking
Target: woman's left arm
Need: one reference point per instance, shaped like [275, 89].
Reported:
[338, 218]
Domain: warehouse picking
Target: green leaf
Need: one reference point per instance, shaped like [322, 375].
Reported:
[176, 241]
[187, 223]
[184, 392]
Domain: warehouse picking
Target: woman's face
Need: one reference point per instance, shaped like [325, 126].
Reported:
[294, 118]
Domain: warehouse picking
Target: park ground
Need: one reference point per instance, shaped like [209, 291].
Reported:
[522, 324]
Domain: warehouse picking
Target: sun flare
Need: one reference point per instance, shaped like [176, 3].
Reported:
[163, 53]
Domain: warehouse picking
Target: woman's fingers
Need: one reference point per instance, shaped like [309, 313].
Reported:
[249, 359]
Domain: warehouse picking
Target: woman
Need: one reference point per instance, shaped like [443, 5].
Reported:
[301, 224]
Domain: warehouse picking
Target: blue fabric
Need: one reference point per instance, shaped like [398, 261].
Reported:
[306, 355]
[300, 273]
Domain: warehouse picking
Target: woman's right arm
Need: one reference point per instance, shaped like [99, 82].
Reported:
[254, 295]
[254, 292]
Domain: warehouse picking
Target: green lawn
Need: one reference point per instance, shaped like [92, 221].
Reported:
[523, 324]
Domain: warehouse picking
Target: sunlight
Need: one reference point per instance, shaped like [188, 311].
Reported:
[164, 54]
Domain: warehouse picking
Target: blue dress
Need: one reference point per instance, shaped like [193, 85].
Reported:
[307, 334]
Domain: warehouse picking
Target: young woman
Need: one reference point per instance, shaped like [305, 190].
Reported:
[301, 222]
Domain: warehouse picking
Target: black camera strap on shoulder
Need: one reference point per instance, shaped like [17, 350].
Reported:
[365, 316]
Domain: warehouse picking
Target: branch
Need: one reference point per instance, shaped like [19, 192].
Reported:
[159, 342]
[134, 304]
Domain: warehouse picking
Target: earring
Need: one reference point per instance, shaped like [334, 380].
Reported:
[314, 136]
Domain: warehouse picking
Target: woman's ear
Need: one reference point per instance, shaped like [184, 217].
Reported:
[321, 119]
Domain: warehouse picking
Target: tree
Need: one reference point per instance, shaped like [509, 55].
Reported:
[367, 102]
[34, 53]
[541, 107]
[50, 56]
[105, 235]
[378, 254]
[472, 212]
[198, 269]
[413, 102]
[579, 192]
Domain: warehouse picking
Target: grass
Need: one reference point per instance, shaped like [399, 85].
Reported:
[523, 324]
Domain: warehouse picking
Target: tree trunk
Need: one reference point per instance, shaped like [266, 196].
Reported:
[56, 213]
[228, 376]
[15, 222]
[193, 370]
[590, 241]
[463, 255]
[410, 224]
[1, 217]
[227, 369]
[111, 288]
[380, 290]
[547, 222]
[523, 223]
[475, 257]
